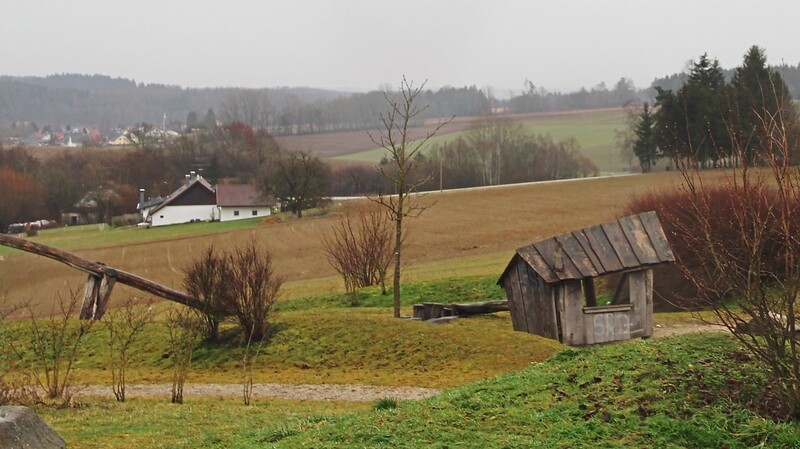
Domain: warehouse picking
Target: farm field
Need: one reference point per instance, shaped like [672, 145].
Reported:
[593, 129]
[468, 232]
[648, 390]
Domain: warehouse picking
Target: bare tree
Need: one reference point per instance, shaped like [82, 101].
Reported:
[124, 325]
[746, 267]
[253, 289]
[184, 329]
[53, 341]
[404, 170]
[205, 279]
[359, 248]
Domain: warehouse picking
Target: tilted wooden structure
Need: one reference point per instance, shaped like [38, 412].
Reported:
[550, 284]
[101, 279]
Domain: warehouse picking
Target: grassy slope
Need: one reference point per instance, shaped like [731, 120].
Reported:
[679, 392]
[594, 131]
[656, 393]
[324, 340]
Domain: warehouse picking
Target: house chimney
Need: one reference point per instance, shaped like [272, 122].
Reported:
[141, 198]
[193, 175]
[186, 181]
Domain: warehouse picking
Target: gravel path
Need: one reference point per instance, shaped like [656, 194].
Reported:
[329, 392]
[354, 393]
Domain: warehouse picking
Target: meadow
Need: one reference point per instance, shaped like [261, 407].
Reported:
[592, 129]
[649, 393]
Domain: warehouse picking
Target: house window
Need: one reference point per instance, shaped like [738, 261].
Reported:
[160, 216]
[236, 213]
[255, 212]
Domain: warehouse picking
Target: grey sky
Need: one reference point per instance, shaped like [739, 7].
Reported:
[363, 44]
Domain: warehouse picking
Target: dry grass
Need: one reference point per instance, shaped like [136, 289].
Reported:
[467, 232]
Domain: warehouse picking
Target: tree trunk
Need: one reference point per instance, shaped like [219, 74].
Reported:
[398, 241]
[479, 308]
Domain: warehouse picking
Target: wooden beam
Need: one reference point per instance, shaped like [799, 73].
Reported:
[100, 271]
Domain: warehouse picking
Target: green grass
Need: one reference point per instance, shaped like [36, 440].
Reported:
[689, 391]
[683, 391]
[323, 340]
[593, 130]
[198, 423]
[448, 291]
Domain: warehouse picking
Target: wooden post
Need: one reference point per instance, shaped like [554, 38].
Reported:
[95, 295]
[589, 292]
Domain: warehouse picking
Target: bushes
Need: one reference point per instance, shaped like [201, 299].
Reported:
[240, 284]
[735, 220]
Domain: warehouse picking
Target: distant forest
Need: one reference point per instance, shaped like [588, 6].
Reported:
[108, 103]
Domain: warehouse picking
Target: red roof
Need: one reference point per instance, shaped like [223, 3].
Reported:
[241, 195]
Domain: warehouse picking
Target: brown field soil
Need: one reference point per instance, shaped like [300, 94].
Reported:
[466, 232]
[348, 142]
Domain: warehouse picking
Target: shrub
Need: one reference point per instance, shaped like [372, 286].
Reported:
[205, 279]
[252, 289]
[734, 221]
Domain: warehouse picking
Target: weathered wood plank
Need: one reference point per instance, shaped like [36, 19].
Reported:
[531, 255]
[89, 297]
[104, 294]
[515, 298]
[528, 295]
[544, 305]
[648, 312]
[581, 238]
[640, 242]
[572, 318]
[657, 236]
[603, 248]
[638, 289]
[555, 257]
[620, 244]
[576, 253]
[524, 298]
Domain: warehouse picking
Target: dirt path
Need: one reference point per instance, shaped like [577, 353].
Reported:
[680, 329]
[330, 392]
[354, 393]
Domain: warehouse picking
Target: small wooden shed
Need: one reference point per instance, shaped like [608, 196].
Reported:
[550, 284]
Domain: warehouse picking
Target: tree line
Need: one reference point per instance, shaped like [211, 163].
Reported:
[709, 121]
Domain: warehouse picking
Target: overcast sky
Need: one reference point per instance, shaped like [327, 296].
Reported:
[364, 44]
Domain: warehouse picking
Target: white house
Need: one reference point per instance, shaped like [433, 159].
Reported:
[240, 201]
[194, 201]
[197, 200]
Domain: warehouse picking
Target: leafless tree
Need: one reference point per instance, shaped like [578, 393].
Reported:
[184, 329]
[359, 248]
[205, 279]
[748, 271]
[124, 325]
[404, 171]
[53, 340]
[253, 289]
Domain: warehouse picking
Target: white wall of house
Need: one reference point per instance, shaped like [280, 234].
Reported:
[183, 214]
[230, 213]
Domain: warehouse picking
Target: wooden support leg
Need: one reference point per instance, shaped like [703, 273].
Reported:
[96, 295]
[90, 297]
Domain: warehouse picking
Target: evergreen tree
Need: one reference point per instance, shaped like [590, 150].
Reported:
[691, 122]
[645, 145]
[759, 93]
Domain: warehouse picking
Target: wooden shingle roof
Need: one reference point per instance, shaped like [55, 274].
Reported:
[631, 242]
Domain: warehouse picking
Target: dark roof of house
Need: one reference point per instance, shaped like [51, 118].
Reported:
[629, 243]
[150, 203]
[183, 189]
[241, 195]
